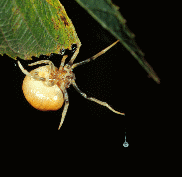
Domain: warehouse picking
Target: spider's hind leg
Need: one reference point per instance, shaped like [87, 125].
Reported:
[65, 108]
[50, 70]
[24, 70]
[35, 75]
[51, 65]
[28, 74]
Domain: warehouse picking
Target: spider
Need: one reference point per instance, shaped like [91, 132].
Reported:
[45, 87]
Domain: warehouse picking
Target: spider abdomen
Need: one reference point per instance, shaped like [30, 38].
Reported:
[39, 94]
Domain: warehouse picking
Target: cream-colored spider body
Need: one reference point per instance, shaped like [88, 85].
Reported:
[45, 88]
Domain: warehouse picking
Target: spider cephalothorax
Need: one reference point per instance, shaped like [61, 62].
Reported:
[62, 77]
[45, 87]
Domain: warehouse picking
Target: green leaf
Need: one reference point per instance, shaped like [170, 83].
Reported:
[34, 27]
[107, 14]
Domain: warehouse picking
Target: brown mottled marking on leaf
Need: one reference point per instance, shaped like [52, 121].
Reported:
[56, 26]
[65, 21]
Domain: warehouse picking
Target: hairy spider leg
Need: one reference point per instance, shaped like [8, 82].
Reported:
[65, 108]
[24, 70]
[75, 54]
[95, 56]
[30, 75]
[51, 69]
[51, 65]
[42, 61]
[63, 60]
[94, 99]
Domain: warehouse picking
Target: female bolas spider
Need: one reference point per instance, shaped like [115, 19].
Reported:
[45, 87]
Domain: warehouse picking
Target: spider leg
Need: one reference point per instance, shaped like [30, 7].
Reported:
[23, 70]
[75, 54]
[45, 62]
[51, 66]
[65, 108]
[95, 56]
[94, 99]
[27, 73]
[63, 60]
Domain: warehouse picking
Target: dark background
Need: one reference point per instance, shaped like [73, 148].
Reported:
[114, 77]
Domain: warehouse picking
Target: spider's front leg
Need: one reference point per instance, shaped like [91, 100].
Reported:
[75, 54]
[95, 56]
[65, 108]
[63, 61]
[95, 100]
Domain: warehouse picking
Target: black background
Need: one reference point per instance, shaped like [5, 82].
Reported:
[115, 77]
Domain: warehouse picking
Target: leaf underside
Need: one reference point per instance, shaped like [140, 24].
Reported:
[107, 14]
[34, 27]
[41, 27]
